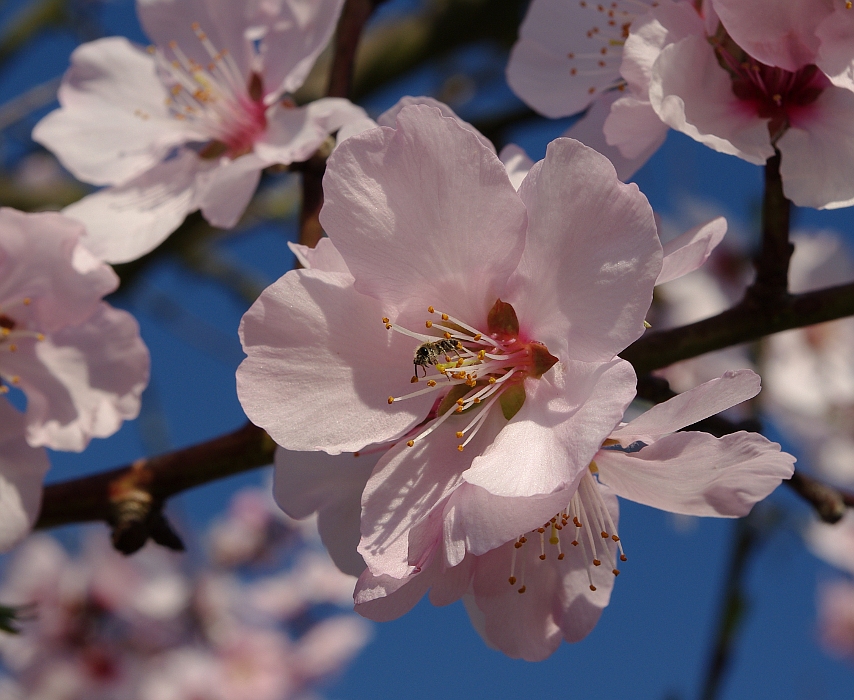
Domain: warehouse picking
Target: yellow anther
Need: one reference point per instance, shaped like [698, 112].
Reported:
[391, 399]
[429, 324]
[447, 335]
[460, 448]
[646, 324]
[13, 347]
[492, 380]
[481, 354]
[431, 310]
[460, 402]
[385, 320]
[410, 443]
[414, 380]
[16, 379]
[444, 317]
[478, 337]
[561, 556]
[522, 589]
[511, 580]
[459, 434]
[596, 562]
[431, 382]
[616, 572]
[623, 557]
[388, 326]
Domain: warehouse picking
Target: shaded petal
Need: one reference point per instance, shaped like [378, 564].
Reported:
[817, 152]
[557, 603]
[41, 259]
[124, 223]
[22, 470]
[567, 415]
[424, 214]
[584, 283]
[689, 251]
[776, 32]
[308, 482]
[292, 34]
[224, 192]
[836, 55]
[88, 379]
[693, 94]
[324, 256]
[697, 473]
[517, 163]
[408, 485]
[631, 131]
[557, 37]
[690, 407]
[313, 345]
[383, 598]
[293, 134]
[113, 124]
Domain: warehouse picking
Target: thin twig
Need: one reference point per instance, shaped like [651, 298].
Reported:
[829, 502]
[742, 323]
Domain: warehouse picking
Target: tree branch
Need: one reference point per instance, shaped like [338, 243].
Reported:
[742, 323]
[131, 498]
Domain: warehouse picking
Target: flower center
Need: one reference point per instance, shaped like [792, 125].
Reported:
[11, 335]
[776, 94]
[482, 368]
[584, 523]
[214, 98]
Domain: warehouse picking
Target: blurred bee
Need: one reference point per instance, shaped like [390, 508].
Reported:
[428, 353]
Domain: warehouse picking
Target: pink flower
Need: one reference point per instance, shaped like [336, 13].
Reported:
[80, 362]
[22, 469]
[702, 82]
[563, 572]
[191, 124]
[568, 59]
[573, 256]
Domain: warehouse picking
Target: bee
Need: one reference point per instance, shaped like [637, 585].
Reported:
[428, 353]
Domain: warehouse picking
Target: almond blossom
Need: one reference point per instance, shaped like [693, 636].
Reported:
[551, 584]
[444, 243]
[191, 123]
[703, 83]
[79, 361]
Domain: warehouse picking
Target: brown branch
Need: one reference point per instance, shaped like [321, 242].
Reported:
[742, 323]
[829, 502]
[772, 264]
[130, 498]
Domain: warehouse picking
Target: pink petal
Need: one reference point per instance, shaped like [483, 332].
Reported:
[584, 283]
[691, 93]
[224, 192]
[225, 24]
[698, 474]
[775, 32]
[517, 163]
[553, 438]
[626, 126]
[40, 260]
[124, 223]
[324, 256]
[318, 349]
[383, 598]
[424, 215]
[554, 38]
[818, 152]
[408, 484]
[389, 117]
[689, 251]
[89, 379]
[113, 124]
[308, 482]
[690, 406]
[836, 55]
[22, 469]
[293, 134]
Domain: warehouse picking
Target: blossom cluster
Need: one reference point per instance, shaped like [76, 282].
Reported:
[442, 374]
[100, 625]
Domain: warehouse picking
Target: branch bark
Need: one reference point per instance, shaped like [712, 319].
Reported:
[130, 498]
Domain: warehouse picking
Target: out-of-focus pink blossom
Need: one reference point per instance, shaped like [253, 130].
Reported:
[191, 124]
[22, 469]
[80, 362]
